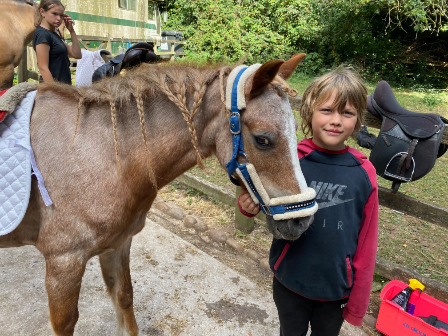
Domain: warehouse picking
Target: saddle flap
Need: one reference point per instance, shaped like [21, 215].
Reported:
[101, 72]
[398, 157]
[419, 125]
[117, 59]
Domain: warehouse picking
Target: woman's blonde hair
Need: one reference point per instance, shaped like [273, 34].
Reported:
[348, 86]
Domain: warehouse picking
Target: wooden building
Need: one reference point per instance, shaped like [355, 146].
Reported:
[115, 24]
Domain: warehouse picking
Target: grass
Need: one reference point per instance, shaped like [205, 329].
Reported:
[217, 215]
[403, 239]
[433, 188]
[418, 100]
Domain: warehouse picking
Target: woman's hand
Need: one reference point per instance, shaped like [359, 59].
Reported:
[73, 50]
[247, 204]
[69, 23]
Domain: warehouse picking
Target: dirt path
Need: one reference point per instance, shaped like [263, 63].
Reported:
[178, 290]
[183, 285]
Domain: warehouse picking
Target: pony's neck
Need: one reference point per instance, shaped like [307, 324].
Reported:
[170, 137]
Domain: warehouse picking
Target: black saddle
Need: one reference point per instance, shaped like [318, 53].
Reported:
[408, 143]
[136, 54]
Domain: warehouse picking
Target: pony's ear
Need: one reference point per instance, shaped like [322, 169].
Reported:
[288, 68]
[264, 75]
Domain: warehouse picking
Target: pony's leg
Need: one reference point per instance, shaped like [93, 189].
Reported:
[117, 276]
[63, 282]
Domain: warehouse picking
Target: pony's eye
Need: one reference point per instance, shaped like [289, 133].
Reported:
[262, 141]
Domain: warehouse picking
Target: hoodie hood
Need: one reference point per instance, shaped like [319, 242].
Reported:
[349, 157]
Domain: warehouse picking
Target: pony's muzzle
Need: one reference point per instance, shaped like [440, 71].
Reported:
[290, 229]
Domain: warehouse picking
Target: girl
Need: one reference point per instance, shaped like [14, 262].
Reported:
[325, 276]
[51, 49]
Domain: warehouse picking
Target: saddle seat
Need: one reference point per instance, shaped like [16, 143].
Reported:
[419, 125]
[141, 52]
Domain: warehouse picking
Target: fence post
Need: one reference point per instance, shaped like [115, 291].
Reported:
[22, 70]
[173, 56]
[242, 223]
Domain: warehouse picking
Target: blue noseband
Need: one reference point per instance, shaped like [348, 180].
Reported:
[238, 149]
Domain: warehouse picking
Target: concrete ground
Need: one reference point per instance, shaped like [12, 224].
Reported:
[178, 290]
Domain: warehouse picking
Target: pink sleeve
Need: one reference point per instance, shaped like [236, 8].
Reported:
[364, 259]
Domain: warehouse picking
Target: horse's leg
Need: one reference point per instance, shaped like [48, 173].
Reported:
[117, 276]
[63, 282]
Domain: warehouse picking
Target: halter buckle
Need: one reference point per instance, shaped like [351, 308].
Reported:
[235, 119]
[266, 209]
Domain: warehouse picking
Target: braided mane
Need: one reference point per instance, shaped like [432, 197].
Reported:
[172, 80]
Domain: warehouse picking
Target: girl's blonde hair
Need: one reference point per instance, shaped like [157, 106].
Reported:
[348, 86]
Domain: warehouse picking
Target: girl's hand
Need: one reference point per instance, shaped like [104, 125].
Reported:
[69, 23]
[247, 204]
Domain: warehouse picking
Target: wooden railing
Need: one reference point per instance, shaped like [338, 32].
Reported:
[106, 43]
[23, 72]
[398, 201]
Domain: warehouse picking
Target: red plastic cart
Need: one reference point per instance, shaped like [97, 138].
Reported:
[393, 321]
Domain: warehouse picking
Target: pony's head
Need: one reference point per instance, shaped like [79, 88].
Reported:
[267, 164]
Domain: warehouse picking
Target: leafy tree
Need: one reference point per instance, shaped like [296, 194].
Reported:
[425, 15]
[389, 39]
[222, 30]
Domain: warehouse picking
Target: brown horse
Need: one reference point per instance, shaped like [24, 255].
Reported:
[18, 21]
[105, 150]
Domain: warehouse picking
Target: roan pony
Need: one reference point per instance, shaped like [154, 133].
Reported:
[18, 21]
[105, 150]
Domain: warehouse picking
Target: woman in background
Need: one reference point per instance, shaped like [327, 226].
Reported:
[51, 49]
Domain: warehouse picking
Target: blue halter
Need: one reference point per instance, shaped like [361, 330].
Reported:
[238, 149]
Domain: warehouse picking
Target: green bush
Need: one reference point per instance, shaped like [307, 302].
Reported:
[384, 39]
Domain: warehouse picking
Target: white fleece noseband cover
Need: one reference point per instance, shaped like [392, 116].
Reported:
[281, 208]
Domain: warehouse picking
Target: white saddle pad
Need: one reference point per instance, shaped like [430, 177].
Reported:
[16, 158]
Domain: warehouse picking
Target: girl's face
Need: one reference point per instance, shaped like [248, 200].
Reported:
[331, 127]
[54, 16]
